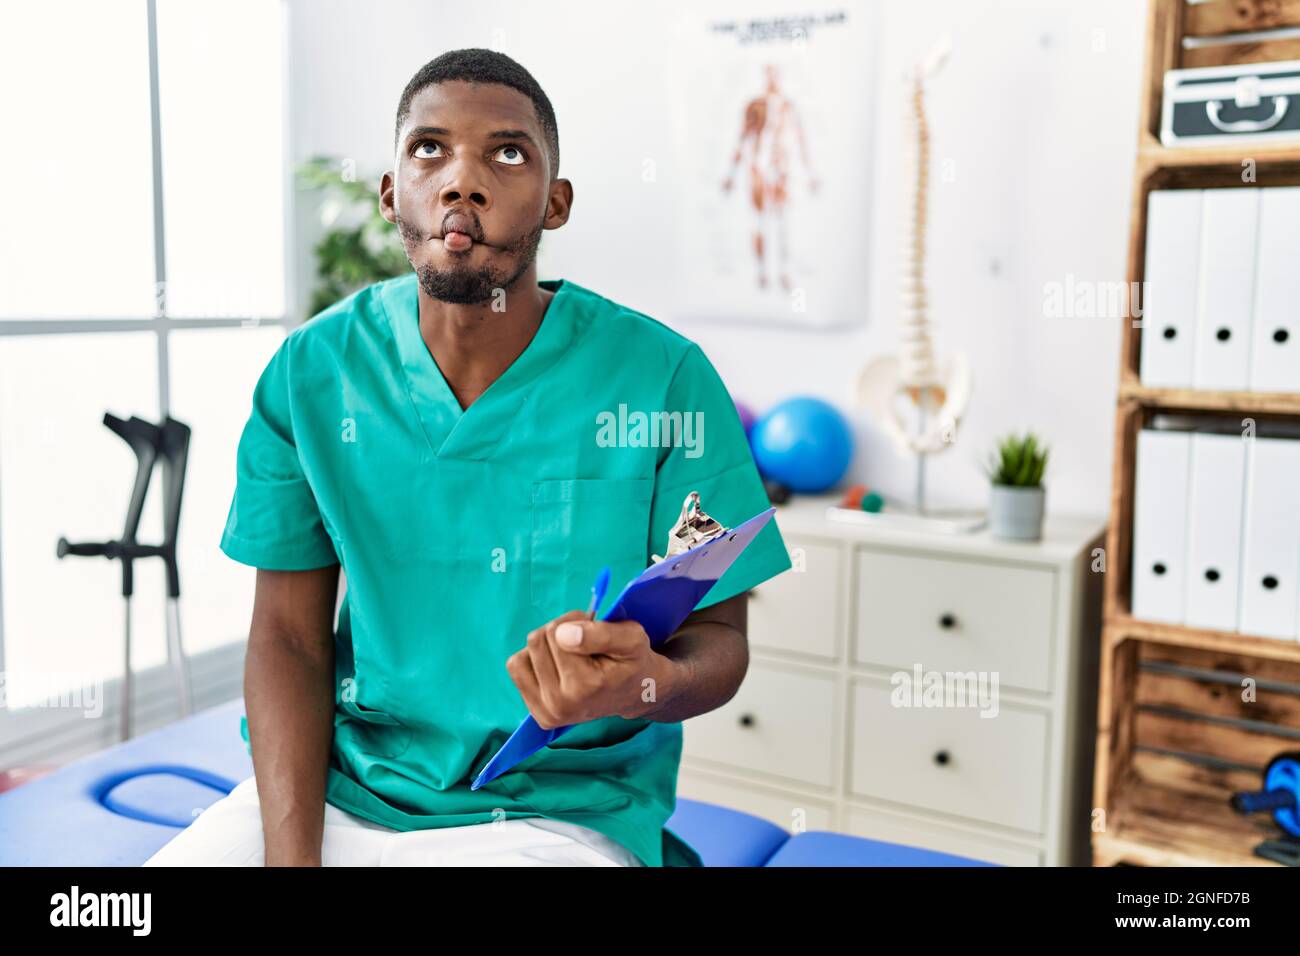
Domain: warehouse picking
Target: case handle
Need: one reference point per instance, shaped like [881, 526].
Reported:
[1280, 104]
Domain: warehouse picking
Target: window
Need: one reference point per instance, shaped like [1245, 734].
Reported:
[143, 272]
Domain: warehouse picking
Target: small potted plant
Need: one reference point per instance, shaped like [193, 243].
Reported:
[1017, 494]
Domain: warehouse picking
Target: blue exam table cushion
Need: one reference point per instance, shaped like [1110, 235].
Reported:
[819, 848]
[58, 819]
[725, 837]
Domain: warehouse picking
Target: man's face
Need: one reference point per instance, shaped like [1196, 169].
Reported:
[471, 190]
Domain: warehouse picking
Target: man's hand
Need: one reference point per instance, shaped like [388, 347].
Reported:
[574, 669]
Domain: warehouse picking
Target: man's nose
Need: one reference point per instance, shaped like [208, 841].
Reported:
[464, 183]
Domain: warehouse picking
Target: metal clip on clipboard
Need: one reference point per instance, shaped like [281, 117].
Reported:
[660, 598]
[693, 527]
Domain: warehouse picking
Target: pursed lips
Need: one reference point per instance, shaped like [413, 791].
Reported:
[460, 232]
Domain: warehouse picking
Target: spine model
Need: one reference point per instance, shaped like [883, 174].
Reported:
[917, 371]
[937, 392]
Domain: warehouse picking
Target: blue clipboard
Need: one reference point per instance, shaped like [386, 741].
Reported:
[660, 598]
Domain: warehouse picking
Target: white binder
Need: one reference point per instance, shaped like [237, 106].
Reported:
[1214, 512]
[1224, 312]
[1275, 340]
[1160, 525]
[1169, 288]
[1270, 564]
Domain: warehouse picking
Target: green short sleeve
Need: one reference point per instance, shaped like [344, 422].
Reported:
[716, 462]
[274, 521]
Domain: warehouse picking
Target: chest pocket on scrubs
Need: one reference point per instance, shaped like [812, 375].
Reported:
[580, 525]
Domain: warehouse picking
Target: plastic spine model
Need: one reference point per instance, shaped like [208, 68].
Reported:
[939, 395]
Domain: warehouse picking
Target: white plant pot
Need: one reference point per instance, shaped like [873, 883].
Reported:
[1016, 513]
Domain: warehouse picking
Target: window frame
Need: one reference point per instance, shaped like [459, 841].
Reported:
[17, 725]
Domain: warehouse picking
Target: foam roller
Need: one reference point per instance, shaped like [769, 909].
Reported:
[1280, 795]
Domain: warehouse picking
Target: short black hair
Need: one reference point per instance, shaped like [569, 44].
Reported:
[477, 65]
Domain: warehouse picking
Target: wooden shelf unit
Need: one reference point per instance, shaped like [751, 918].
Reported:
[1174, 737]
[1280, 404]
[1125, 628]
[1271, 159]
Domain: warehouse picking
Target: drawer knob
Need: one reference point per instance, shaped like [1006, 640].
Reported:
[942, 758]
[948, 622]
[747, 720]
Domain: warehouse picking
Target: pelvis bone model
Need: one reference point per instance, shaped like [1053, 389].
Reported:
[937, 393]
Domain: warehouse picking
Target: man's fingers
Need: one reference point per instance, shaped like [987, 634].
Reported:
[622, 639]
[570, 616]
[520, 668]
[542, 657]
[557, 676]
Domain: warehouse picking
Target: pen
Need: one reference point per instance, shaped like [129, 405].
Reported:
[598, 593]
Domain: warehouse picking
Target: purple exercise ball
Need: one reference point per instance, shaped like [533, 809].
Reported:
[747, 417]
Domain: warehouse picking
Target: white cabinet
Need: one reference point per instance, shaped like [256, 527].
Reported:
[984, 762]
[798, 612]
[921, 688]
[781, 723]
[968, 614]
[790, 811]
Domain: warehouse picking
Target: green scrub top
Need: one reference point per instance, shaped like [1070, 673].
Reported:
[459, 531]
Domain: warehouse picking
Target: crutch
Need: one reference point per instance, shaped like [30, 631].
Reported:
[174, 447]
[144, 439]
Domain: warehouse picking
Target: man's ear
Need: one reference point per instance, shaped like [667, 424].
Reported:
[386, 208]
[559, 204]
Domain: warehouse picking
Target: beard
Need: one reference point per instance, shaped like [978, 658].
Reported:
[466, 284]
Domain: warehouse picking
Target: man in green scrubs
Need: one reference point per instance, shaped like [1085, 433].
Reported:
[471, 446]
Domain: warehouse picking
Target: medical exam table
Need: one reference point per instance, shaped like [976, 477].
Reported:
[119, 806]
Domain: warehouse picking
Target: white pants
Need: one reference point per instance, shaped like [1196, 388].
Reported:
[229, 833]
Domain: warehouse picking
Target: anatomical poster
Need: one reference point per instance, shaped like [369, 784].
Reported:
[773, 143]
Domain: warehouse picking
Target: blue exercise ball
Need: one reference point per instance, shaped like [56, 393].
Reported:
[803, 443]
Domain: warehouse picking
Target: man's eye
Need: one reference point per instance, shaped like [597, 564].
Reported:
[511, 155]
[424, 150]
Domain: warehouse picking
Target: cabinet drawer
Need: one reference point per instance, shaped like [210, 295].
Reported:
[951, 759]
[780, 722]
[958, 615]
[788, 811]
[799, 611]
[883, 826]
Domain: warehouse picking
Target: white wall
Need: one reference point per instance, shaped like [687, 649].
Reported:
[1035, 115]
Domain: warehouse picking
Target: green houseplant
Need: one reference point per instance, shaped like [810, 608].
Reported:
[359, 246]
[1017, 496]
